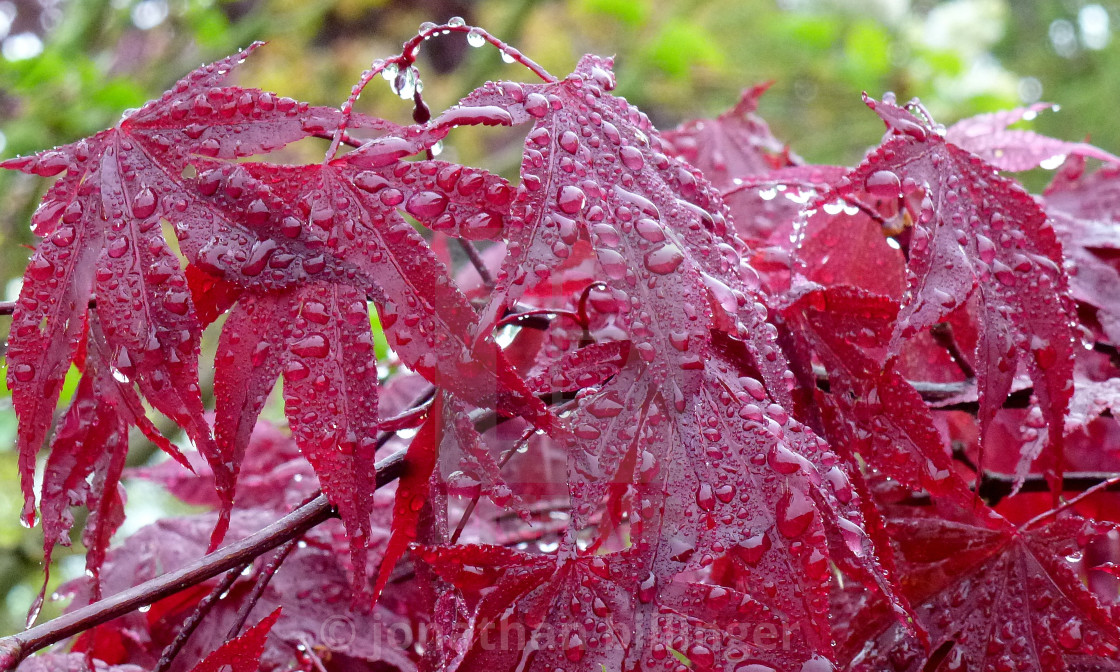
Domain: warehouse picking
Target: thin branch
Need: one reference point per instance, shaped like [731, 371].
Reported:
[478, 263]
[934, 393]
[995, 486]
[536, 318]
[9, 307]
[344, 138]
[943, 333]
[474, 500]
[1107, 484]
[412, 47]
[16, 647]
[195, 619]
[263, 579]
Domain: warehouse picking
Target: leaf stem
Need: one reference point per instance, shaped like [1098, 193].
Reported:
[411, 48]
[943, 333]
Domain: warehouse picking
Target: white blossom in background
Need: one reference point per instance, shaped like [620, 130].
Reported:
[148, 14]
[1093, 23]
[21, 46]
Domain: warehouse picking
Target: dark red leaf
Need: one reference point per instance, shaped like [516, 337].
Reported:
[890, 425]
[540, 612]
[102, 235]
[991, 597]
[352, 206]
[976, 237]
[211, 295]
[647, 217]
[412, 492]
[242, 654]
[715, 463]
[325, 352]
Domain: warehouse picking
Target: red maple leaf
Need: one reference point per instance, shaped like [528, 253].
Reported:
[683, 415]
[735, 145]
[992, 597]
[242, 654]
[101, 232]
[975, 237]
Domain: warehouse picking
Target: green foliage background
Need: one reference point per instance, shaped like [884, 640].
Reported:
[676, 59]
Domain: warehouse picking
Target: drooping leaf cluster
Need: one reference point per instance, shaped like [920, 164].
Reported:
[697, 405]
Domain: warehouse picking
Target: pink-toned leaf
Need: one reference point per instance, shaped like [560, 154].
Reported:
[988, 136]
[1090, 399]
[593, 364]
[735, 145]
[1085, 212]
[468, 460]
[70, 662]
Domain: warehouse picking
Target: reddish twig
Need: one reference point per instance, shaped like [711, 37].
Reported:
[474, 500]
[995, 486]
[1111, 482]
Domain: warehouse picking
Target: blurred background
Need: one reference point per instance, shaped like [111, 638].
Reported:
[69, 68]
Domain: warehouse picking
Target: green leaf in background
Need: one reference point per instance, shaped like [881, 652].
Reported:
[629, 12]
[680, 46]
[866, 52]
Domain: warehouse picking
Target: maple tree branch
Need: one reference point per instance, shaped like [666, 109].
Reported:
[476, 261]
[933, 393]
[995, 486]
[195, 619]
[15, 648]
[9, 307]
[943, 333]
[262, 581]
